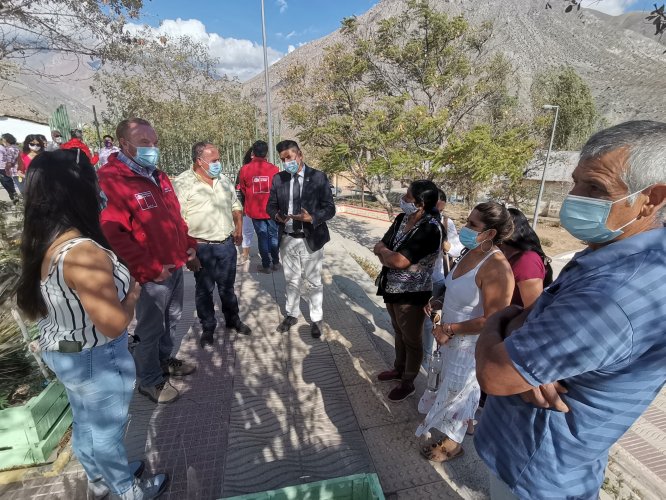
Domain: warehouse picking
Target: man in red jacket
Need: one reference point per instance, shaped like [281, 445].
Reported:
[76, 142]
[255, 184]
[142, 222]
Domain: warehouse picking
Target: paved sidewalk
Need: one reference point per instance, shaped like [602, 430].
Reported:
[271, 410]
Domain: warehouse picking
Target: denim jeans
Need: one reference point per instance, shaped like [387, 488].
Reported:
[218, 268]
[158, 312]
[8, 183]
[99, 383]
[267, 239]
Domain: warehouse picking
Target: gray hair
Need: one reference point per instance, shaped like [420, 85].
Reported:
[199, 148]
[645, 142]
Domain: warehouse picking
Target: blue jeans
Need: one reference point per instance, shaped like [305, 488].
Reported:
[267, 239]
[99, 383]
[218, 268]
[158, 312]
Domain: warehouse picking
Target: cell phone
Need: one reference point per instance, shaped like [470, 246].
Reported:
[70, 346]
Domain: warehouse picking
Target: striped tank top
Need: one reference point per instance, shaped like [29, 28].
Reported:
[66, 318]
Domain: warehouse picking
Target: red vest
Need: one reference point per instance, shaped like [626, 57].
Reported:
[255, 181]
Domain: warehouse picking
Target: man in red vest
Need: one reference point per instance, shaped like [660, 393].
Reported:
[76, 142]
[255, 183]
[142, 221]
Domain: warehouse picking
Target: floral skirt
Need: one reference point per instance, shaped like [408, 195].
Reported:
[457, 398]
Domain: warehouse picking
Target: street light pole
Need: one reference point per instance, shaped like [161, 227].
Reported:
[543, 177]
[268, 88]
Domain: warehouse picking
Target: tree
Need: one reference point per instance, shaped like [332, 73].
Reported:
[578, 115]
[482, 157]
[172, 82]
[92, 29]
[385, 101]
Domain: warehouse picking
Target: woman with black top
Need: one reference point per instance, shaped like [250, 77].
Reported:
[408, 252]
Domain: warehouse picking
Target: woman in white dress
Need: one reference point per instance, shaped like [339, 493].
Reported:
[479, 285]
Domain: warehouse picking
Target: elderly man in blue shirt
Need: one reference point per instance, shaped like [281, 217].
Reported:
[570, 376]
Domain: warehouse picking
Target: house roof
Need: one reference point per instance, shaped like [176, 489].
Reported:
[561, 165]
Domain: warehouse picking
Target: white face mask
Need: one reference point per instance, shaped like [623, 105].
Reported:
[408, 208]
[34, 148]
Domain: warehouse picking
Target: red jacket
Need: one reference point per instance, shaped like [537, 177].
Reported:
[142, 220]
[255, 184]
[79, 144]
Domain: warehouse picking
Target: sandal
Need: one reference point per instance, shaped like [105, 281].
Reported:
[441, 451]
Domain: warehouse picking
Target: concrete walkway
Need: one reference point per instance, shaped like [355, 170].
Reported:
[271, 410]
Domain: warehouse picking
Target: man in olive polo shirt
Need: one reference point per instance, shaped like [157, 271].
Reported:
[214, 217]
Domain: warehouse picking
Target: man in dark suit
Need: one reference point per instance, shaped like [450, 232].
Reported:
[301, 202]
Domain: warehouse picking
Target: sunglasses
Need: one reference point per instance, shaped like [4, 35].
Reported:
[35, 144]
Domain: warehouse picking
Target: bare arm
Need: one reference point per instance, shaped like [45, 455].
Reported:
[495, 281]
[530, 290]
[89, 270]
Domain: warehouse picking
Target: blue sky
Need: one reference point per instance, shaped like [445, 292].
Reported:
[232, 28]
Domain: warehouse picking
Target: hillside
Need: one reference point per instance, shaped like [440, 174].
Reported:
[625, 69]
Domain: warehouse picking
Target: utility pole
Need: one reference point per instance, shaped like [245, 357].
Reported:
[543, 177]
[271, 152]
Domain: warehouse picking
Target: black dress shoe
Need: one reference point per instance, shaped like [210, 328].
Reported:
[206, 339]
[316, 329]
[240, 327]
[286, 324]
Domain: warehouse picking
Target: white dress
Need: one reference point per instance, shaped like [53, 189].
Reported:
[458, 395]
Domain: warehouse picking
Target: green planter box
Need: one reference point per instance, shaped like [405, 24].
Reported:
[29, 433]
[356, 487]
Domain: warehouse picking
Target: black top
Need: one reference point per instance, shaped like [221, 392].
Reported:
[420, 246]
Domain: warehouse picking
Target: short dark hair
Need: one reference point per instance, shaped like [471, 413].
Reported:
[496, 216]
[123, 126]
[442, 195]
[260, 149]
[77, 133]
[9, 138]
[56, 132]
[287, 144]
[109, 136]
[199, 148]
[425, 193]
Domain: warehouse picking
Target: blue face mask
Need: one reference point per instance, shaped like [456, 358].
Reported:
[214, 169]
[147, 157]
[291, 166]
[468, 238]
[585, 218]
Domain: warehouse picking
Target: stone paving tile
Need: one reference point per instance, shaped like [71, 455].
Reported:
[360, 367]
[374, 410]
[395, 451]
[439, 490]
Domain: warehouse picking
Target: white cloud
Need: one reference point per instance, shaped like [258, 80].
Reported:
[290, 35]
[290, 49]
[282, 4]
[238, 57]
[612, 7]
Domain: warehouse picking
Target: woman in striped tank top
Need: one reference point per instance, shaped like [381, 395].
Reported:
[85, 298]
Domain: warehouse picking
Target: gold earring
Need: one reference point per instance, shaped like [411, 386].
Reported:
[489, 248]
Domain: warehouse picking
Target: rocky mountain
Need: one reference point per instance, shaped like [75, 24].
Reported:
[618, 57]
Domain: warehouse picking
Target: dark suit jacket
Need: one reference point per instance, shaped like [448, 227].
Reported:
[316, 198]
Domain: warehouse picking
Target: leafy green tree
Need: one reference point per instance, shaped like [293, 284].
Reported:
[173, 84]
[578, 115]
[385, 102]
[483, 157]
